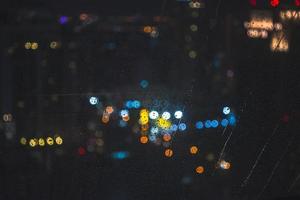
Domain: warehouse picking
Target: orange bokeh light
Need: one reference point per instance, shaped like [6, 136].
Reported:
[193, 149]
[199, 170]
[147, 29]
[168, 152]
[109, 109]
[143, 139]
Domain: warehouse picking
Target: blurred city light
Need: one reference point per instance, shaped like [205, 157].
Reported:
[193, 149]
[144, 84]
[168, 152]
[33, 142]
[173, 127]
[154, 130]
[136, 104]
[226, 110]
[129, 104]
[182, 126]
[207, 124]
[166, 115]
[109, 109]
[50, 141]
[41, 142]
[143, 139]
[178, 114]
[162, 123]
[214, 123]
[124, 113]
[120, 155]
[153, 115]
[199, 170]
[23, 141]
[166, 137]
[224, 122]
[224, 164]
[63, 20]
[93, 100]
[199, 125]
[58, 140]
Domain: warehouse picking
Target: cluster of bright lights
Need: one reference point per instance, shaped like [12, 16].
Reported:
[31, 45]
[279, 42]
[290, 15]
[35, 142]
[133, 104]
[224, 165]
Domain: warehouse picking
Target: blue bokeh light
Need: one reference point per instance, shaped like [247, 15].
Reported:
[124, 113]
[128, 104]
[122, 123]
[152, 138]
[144, 84]
[232, 120]
[214, 123]
[136, 104]
[224, 122]
[199, 125]
[182, 126]
[173, 127]
[120, 155]
[207, 124]
[63, 19]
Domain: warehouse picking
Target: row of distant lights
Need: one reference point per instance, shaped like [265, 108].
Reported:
[35, 45]
[35, 142]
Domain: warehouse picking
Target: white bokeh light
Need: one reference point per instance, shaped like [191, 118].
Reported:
[178, 114]
[166, 115]
[93, 100]
[226, 110]
[153, 115]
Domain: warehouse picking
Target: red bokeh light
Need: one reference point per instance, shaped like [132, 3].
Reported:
[297, 2]
[81, 151]
[285, 118]
[274, 3]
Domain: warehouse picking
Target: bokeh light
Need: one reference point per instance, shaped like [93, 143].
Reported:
[152, 137]
[225, 165]
[143, 139]
[193, 149]
[193, 54]
[226, 110]
[81, 151]
[162, 123]
[194, 27]
[23, 141]
[214, 123]
[124, 113]
[207, 124]
[136, 104]
[168, 152]
[93, 100]
[199, 170]
[167, 137]
[154, 130]
[33, 142]
[232, 120]
[224, 122]
[174, 127]
[128, 104]
[182, 126]
[27, 45]
[178, 114]
[109, 109]
[144, 84]
[50, 141]
[166, 115]
[34, 45]
[58, 140]
[41, 142]
[153, 114]
[199, 125]
[63, 20]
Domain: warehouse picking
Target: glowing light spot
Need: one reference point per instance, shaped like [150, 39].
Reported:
[152, 138]
[120, 155]
[199, 125]
[105, 117]
[143, 139]
[232, 120]
[54, 45]
[63, 20]
[178, 114]
[162, 123]
[50, 141]
[93, 100]
[58, 140]
[174, 127]
[226, 110]
[27, 45]
[193, 149]
[33, 142]
[274, 3]
[214, 123]
[81, 151]
[128, 104]
[224, 122]
[23, 141]
[153, 115]
[199, 170]
[7, 117]
[207, 124]
[167, 137]
[154, 130]
[168, 152]
[182, 126]
[124, 113]
[41, 142]
[136, 104]
[144, 84]
[166, 115]
[193, 54]
[225, 165]
[34, 46]
[147, 29]
[109, 109]
[144, 119]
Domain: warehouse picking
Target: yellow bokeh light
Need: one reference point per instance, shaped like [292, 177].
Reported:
[41, 142]
[199, 170]
[50, 141]
[27, 45]
[162, 123]
[225, 165]
[168, 152]
[143, 139]
[34, 46]
[193, 149]
[23, 141]
[193, 54]
[59, 140]
[7, 117]
[167, 137]
[33, 142]
[54, 45]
